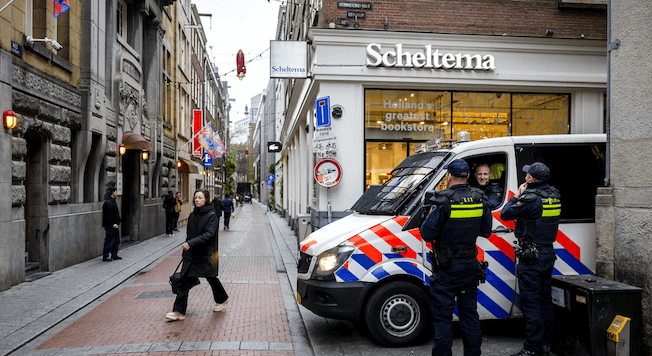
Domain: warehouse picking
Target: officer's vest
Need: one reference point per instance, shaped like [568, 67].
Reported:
[544, 229]
[461, 230]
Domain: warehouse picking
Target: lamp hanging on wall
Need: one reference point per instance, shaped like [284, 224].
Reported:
[122, 149]
[9, 119]
[145, 155]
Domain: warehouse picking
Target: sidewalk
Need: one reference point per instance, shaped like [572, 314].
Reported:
[119, 307]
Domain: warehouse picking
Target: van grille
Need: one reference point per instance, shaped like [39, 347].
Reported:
[304, 262]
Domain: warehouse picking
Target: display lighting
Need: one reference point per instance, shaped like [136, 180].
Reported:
[145, 154]
[10, 119]
[178, 164]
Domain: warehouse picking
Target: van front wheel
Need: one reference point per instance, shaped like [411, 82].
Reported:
[396, 313]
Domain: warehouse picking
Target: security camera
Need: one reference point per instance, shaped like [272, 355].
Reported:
[56, 45]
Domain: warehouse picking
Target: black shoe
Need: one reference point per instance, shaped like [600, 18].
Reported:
[106, 259]
[527, 353]
[116, 257]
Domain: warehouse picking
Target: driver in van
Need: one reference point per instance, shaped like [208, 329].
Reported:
[491, 190]
[459, 215]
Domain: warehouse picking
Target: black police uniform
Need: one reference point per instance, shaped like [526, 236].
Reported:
[493, 193]
[459, 217]
[536, 212]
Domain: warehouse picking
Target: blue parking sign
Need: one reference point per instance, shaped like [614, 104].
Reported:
[208, 161]
[323, 111]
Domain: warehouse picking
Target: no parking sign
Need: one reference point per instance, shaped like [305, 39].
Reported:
[328, 172]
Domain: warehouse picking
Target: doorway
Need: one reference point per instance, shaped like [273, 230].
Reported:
[36, 207]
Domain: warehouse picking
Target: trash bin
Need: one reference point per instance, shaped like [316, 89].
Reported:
[303, 227]
[585, 306]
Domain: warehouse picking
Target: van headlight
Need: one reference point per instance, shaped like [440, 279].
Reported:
[329, 261]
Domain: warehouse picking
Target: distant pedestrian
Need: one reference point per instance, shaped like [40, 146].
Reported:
[169, 203]
[110, 223]
[199, 257]
[227, 205]
[219, 207]
[177, 209]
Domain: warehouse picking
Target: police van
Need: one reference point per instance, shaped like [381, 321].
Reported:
[372, 266]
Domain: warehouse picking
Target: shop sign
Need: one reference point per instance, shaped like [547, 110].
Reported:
[426, 59]
[411, 111]
[288, 59]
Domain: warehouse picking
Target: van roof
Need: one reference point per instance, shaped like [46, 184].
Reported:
[533, 139]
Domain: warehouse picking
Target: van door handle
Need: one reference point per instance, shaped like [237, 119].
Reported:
[400, 249]
[502, 230]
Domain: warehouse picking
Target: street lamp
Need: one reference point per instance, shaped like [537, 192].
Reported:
[10, 119]
[145, 155]
[122, 149]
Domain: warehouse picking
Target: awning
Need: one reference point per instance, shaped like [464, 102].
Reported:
[188, 166]
[134, 141]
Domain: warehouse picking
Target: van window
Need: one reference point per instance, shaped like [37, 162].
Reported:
[577, 170]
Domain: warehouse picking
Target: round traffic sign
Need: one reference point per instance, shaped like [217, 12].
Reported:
[328, 172]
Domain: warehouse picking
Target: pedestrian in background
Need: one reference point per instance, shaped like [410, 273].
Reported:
[218, 207]
[459, 215]
[177, 210]
[535, 207]
[199, 256]
[110, 223]
[168, 204]
[227, 205]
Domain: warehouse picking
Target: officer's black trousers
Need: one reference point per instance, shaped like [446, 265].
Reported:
[458, 281]
[534, 283]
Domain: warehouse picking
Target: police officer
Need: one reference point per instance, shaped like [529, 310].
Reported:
[491, 190]
[459, 215]
[535, 207]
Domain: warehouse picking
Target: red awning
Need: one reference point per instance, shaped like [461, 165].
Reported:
[134, 141]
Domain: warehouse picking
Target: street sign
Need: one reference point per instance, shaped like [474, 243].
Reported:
[270, 180]
[274, 147]
[208, 161]
[322, 132]
[320, 145]
[328, 172]
[323, 111]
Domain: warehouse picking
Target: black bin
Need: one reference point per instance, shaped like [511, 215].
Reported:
[585, 305]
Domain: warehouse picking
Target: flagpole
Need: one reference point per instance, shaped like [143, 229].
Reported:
[193, 136]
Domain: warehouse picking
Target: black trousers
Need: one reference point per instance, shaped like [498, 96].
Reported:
[227, 219]
[181, 302]
[169, 222]
[176, 220]
[111, 242]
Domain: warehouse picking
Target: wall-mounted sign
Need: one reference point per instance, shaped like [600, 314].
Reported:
[328, 172]
[208, 161]
[353, 14]
[354, 5]
[427, 58]
[288, 59]
[326, 144]
[274, 147]
[16, 49]
[323, 111]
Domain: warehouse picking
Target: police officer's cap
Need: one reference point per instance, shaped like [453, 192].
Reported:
[537, 170]
[458, 168]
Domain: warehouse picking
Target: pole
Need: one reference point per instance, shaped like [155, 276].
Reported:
[328, 193]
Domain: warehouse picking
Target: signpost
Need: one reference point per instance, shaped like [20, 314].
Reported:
[270, 180]
[274, 147]
[328, 173]
[208, 161]
[323, 111]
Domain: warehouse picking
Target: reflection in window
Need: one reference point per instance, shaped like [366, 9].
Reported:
[482, 115]
[540, 114]
[382, 158]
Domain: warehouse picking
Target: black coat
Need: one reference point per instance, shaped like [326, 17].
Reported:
[169, 202]
[218, 206]
[110, 214]
[201, 259]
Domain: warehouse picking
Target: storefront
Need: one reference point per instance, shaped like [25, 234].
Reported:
[397, 90]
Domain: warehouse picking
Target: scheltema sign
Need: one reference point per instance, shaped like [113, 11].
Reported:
[288, 59]
[429, 58]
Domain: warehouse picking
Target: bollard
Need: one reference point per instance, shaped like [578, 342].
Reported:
[618, 336]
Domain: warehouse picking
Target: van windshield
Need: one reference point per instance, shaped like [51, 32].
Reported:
[387, 199]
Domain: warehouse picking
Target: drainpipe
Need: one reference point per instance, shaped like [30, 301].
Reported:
[9, 3]
[611, 46]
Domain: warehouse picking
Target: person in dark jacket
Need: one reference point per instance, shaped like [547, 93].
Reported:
[177, 209]
[110, 223]
[227, 204]
[492, 190]
[199, 257]
[219, 207]
[169, 202]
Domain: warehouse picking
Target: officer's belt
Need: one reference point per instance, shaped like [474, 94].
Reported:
[465, 253]
[544, 244]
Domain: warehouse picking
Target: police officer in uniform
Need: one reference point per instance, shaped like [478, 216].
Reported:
[459, 215]
[535, 207]
[492, 190]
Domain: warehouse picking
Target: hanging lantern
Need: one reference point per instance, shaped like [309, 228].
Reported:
[240, 62]
[10, 119]
[122, 149]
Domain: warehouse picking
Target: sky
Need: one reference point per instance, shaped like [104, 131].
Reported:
[246, 25]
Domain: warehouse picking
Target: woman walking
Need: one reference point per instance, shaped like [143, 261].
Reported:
[199, 256]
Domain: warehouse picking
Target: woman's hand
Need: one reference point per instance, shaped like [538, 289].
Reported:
[185, 246]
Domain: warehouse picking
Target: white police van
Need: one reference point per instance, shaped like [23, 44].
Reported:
[372, 266]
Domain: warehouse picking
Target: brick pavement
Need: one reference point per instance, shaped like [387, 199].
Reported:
[132, 320]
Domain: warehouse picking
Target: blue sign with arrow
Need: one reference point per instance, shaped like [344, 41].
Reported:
[208, 161]
[270, 180]
[323, 111]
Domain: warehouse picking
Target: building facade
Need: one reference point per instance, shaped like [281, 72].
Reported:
[399, 83]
